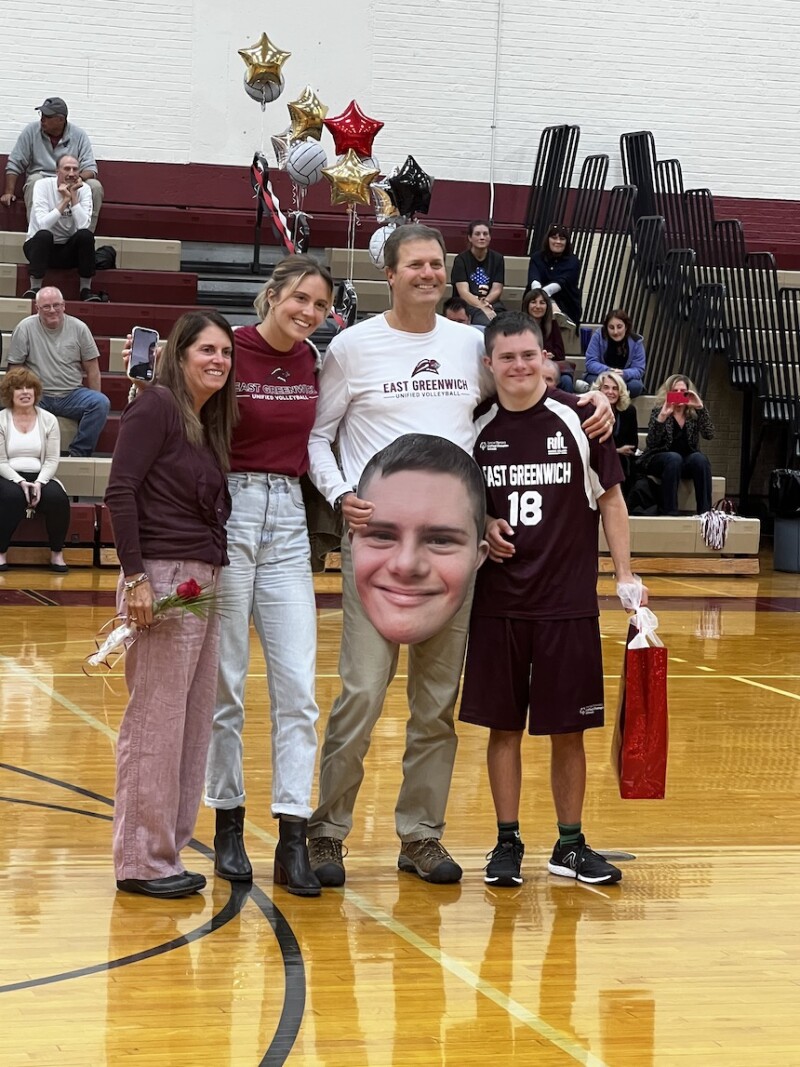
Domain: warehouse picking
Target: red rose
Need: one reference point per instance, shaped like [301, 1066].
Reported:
[189, 590]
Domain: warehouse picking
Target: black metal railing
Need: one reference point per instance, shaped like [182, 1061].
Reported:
[552, 175]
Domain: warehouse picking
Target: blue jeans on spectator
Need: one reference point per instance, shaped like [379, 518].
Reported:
[566, 383]
[269, 579]
[670, 467]
[635, 385]
[88, 408]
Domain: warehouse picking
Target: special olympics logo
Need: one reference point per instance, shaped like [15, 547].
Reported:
[426, 366]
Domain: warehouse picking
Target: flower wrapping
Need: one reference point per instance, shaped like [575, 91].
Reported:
[641, 735]
[189, 596]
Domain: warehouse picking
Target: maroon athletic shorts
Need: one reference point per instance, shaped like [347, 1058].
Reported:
[548, 673]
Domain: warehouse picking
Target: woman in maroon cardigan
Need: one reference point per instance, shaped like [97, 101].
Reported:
[169, 503]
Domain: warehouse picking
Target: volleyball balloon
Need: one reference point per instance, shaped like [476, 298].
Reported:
[377, 242]
[305, 162]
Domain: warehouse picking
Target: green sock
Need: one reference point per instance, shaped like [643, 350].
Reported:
[507, 829]
[569, 833]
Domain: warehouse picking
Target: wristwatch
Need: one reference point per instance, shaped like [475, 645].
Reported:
[337, 504]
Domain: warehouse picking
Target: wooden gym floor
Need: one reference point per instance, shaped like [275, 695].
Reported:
[693, 960]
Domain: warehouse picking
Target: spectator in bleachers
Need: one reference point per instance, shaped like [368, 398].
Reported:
[626, 424]
[60, 349]
[457, 310]
[538, 304]
[616, 346]
[29, 453]
[673, 438]
[555, 269]
[169, 504]
[39, 148]
[479, 274]
[551, 375]
[58, 229]
[269, 578]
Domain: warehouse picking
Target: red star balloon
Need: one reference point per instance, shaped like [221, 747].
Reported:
[353, 129]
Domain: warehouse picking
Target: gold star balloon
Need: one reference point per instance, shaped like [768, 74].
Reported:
[307, 113]
[350, 179]
[263, 61]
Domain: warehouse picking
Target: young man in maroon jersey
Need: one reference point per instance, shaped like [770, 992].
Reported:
[535, 610]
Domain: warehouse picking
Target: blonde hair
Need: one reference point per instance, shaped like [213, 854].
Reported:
[624, 401]
[286, 277]
[669, 385]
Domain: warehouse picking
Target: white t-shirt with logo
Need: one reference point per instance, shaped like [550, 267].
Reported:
[378, 383]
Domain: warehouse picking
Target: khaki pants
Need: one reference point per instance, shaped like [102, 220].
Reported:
[94, 185]
[367, 664]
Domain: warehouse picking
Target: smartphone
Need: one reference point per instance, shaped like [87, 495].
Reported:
[680, 397]
[144, 353]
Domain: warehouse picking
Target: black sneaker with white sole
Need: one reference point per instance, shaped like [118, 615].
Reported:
[505, 863]
[579, 861]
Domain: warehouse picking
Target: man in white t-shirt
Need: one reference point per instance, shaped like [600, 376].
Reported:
[58, 232]
[60, 349]
[408, 371]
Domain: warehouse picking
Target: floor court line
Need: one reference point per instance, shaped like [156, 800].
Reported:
[458, 970]
[760, 685]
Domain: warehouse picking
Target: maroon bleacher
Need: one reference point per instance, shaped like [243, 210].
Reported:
[129, 286]
[108, 438]
[82, 518]
[116, 320]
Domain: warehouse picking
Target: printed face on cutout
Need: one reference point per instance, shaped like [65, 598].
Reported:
[415, 560]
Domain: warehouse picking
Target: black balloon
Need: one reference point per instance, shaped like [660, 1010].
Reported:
[411, 188]
[345, 304]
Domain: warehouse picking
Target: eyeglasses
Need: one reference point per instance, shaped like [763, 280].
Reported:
[50, 307]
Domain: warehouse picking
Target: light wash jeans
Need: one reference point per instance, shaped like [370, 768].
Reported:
[88, 408]
[269, 579]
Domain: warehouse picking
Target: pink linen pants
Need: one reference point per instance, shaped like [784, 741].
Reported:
[171, 673]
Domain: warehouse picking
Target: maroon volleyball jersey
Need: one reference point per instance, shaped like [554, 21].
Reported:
[543, 476]
[277, 397]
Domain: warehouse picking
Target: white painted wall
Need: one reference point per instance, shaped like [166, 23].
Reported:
[717, 83]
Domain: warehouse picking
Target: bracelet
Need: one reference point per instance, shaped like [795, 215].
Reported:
[133, 392]
[128, 586]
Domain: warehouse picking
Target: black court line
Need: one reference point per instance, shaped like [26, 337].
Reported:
[294, 999]
[40, 598]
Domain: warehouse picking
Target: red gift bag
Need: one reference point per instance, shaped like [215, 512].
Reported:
[639, 748]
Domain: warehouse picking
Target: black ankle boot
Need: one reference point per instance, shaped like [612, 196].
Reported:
[292, 869]
[230, 858]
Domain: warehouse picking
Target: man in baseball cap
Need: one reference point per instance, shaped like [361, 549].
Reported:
[41, 145]
[53, 105]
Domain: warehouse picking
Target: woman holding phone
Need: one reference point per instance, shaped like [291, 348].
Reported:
[677, 423]
[269, 579]
[29, 455]
[169, 504]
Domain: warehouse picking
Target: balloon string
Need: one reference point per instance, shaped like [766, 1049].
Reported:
[351, 239]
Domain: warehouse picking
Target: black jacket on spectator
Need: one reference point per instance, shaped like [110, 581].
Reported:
[660, 435]
[564, 270]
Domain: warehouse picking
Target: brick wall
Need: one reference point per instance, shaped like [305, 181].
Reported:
[716, 83]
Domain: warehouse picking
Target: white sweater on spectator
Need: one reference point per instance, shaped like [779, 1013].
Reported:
[378, 383]
[46, 216]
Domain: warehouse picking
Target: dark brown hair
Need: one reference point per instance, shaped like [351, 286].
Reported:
[412, 231]
[217, 417]
[546, 322]
[557, 229]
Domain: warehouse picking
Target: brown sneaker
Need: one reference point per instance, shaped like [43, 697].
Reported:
[430, 860]
[327, 862]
